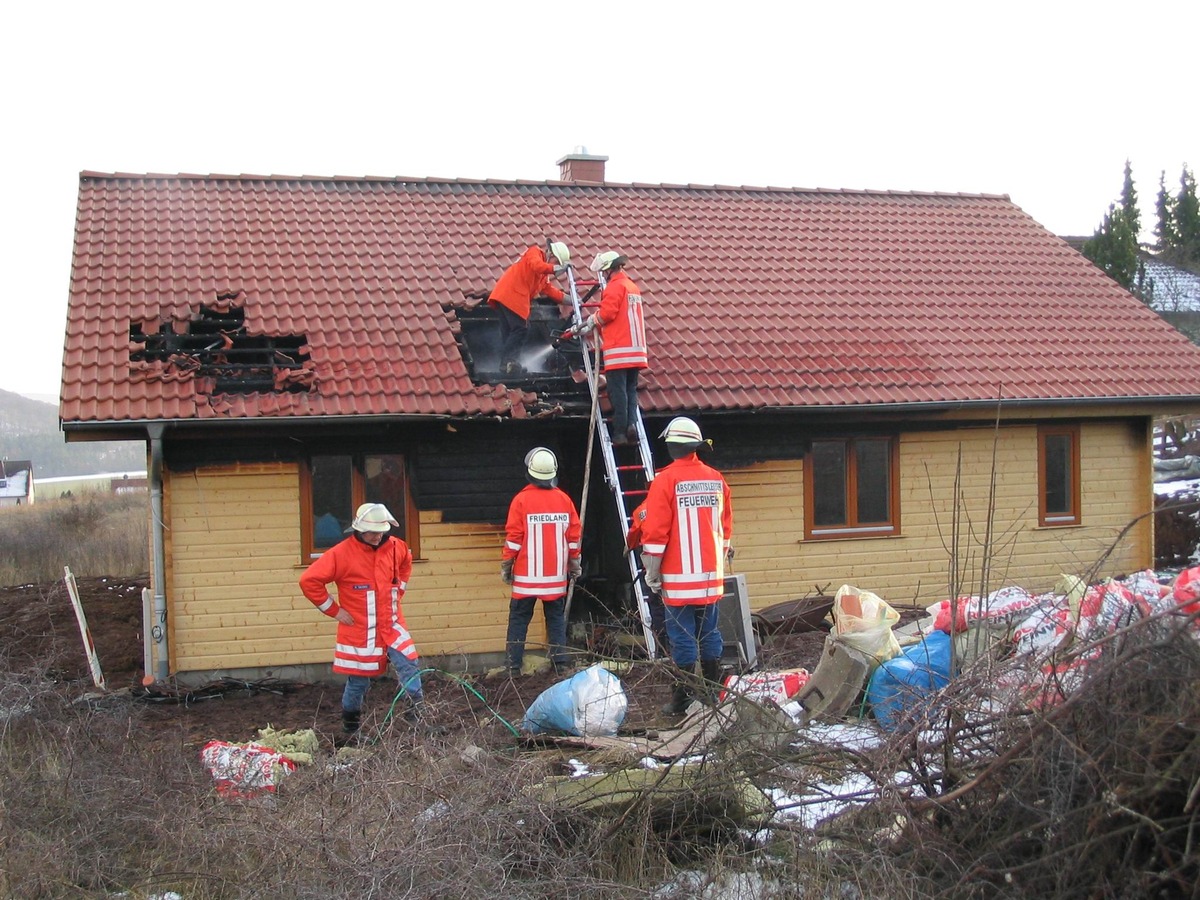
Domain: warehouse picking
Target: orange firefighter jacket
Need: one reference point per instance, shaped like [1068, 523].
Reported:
[525, 279]
[622, 325]
[689, 523]
[370, 583]
[542, 534]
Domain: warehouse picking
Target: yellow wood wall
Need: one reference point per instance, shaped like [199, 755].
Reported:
[233, 563]
[915, 567]
[233, 545]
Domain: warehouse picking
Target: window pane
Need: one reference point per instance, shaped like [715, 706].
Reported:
[1058, 474]
[829, 482]
[385, 484]
[874, 468]
[331, 500]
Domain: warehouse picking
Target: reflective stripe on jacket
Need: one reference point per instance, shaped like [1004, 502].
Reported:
[623, 325]
[370, 584]
[541, 534]
[689, 523]
[525, 279]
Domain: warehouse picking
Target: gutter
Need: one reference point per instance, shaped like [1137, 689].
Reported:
[156, 627]
[268, 423]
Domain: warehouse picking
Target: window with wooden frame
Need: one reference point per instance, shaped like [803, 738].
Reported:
[334, 485]
[852, 488]
[1058, 475]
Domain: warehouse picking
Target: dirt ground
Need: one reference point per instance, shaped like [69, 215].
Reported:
[40, 638]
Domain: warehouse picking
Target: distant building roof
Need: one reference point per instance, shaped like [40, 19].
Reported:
[16, 478]
[756, 297]
[1174, 289]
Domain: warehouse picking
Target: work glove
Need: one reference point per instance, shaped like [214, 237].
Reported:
[574, 567]
[729, 559]
[559, 270]
[506, 567]
[653, 565]
[588, 326]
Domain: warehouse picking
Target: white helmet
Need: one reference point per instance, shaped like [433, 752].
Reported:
[373, 517]
[541, 464]
[682, 430]
[560, 251]
[604, 260]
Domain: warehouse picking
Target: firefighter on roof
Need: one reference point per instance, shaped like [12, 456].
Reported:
[541, 554]
[525, 279]
[685, 550]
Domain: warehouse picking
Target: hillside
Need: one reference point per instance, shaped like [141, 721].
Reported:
[29, 430]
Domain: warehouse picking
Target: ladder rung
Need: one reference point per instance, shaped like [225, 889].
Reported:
[637, 468]
[634, 493]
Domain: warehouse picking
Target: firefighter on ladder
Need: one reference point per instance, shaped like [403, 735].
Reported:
[622, 325]
[541, 555]
[685, 550]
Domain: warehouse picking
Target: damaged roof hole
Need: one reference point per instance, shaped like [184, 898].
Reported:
[216, 346]
[543, 362]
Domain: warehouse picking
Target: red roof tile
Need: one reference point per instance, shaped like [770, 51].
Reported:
[756, 297]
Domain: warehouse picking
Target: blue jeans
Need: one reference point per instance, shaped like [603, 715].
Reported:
[694, 633]
[622, 394]
[520, 614]
[408, 674]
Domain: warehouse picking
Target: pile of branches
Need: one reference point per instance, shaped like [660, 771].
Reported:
[1095, 792]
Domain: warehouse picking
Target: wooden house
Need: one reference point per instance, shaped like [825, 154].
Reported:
[910, 392]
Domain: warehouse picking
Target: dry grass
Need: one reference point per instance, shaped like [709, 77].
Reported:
[1096, 796]
[93, 534]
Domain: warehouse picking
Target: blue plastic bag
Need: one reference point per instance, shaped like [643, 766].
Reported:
[590, 703]
[905, 683]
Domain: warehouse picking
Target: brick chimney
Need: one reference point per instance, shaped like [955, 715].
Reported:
[579, 165]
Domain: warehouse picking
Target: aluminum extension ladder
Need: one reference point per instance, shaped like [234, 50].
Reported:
[629, 478]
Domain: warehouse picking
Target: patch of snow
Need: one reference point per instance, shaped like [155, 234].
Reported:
[431, 813]
[693, 885]
[822, 801]
[847, 735]
[1164, 488]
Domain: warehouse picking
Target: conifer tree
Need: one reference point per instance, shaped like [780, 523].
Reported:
[1164, 206]
[1187, 218]
[1114, 245]
[1178, 227]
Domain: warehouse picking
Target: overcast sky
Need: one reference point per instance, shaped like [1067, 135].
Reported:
[1041, 101]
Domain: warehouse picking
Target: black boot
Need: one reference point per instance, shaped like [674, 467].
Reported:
[711, 670]
[680, 699]
[351, 719]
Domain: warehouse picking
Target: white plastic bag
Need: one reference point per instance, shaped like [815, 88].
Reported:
[590, 703]
[864, 621]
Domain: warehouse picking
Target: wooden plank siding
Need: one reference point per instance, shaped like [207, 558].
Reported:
[233, 545]
[233, 552]
[233, 557]
[914, 567]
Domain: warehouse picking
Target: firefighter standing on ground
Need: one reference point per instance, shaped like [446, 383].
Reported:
[525, 279]
[685, 550]
[541, 554]
[371, 569]
[623, 336]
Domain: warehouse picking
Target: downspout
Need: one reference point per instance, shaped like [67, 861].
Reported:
[158, 623]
